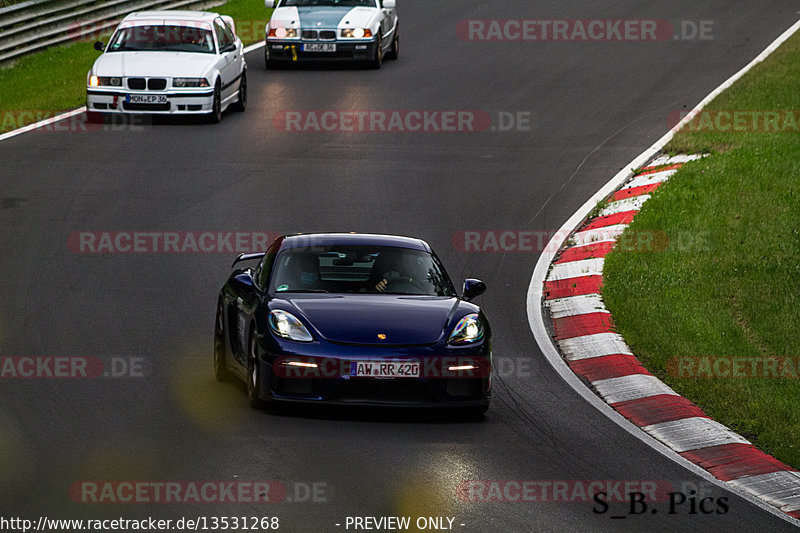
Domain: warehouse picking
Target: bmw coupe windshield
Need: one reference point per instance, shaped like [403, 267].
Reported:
[360, 269]
[163, 38]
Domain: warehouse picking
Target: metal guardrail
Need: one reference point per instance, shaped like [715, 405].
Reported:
[36, 24]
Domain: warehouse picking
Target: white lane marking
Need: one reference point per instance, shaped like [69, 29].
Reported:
[674, 160]
[781, 489]
[576, 305]
[597, 345]
[536, 288]
[79, 110]
[693, 433]
[628, 204]
[577, 269]
[632, 387]
[649, 179]
[606, 233]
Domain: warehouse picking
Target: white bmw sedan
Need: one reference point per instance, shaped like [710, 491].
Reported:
[169, 62]
[329, 30]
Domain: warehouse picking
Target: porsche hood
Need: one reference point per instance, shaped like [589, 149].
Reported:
[403, 319]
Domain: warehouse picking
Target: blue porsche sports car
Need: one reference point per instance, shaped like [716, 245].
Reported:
[353, 319]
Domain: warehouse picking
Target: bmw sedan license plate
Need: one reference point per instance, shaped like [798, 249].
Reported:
[319, 47]
[146, 99]
[384, 369]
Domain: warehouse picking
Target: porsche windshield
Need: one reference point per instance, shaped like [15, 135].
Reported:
[162, 38]
[330, 3]
[360, 269]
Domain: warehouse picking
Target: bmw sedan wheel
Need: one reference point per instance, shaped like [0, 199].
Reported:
[216, 107]
[253, 375]
[241, 102]
[394, 51]
[377, 61]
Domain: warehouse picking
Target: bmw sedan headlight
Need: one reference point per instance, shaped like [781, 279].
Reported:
[105, 81]
[468, 330]
[286, 325]
[190, 82]
[356, 33]
[282, 33]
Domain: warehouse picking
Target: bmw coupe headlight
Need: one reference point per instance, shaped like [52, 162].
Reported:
[357, 33]
[286, 325]
[105, 81]
[190, 82]
[282, 33]
[468, 330]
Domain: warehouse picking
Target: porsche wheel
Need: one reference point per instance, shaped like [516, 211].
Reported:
[253, 375]
[221, 371]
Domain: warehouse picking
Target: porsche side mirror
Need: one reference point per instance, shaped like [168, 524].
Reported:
[269, 3]
[243, 281]
[99, 46]
[473, 288]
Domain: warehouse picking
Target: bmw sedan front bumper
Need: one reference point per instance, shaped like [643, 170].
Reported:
[166, 102]
[292, 50]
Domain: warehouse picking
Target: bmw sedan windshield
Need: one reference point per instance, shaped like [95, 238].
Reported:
[360, 269]
[162, 38]
[333, 3]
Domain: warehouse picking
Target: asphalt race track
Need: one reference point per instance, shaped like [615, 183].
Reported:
[587, 110]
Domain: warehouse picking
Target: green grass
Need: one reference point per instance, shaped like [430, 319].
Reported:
[729, 282]
[54, 80]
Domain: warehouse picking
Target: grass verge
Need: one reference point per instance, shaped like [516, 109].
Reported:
[43, 84]
[728, 284]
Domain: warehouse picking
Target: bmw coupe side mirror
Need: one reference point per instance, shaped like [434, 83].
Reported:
[269, 3]
[99, 46]
[473, 288]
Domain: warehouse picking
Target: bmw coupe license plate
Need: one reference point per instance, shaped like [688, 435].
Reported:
[319, 47]
[146, 99]
[384, 369]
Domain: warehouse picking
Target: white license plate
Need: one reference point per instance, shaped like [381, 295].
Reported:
[146, 99]
[319, 47]
[384, 369]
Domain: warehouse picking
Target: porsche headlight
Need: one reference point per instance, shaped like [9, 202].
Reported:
[468, 330]
[357, 33]
[190, 82]
[105, 81]
[282, 33]
[286, 325]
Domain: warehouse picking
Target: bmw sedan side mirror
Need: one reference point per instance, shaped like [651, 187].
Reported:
[269, 3]
[99, 46]
[473, 288]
